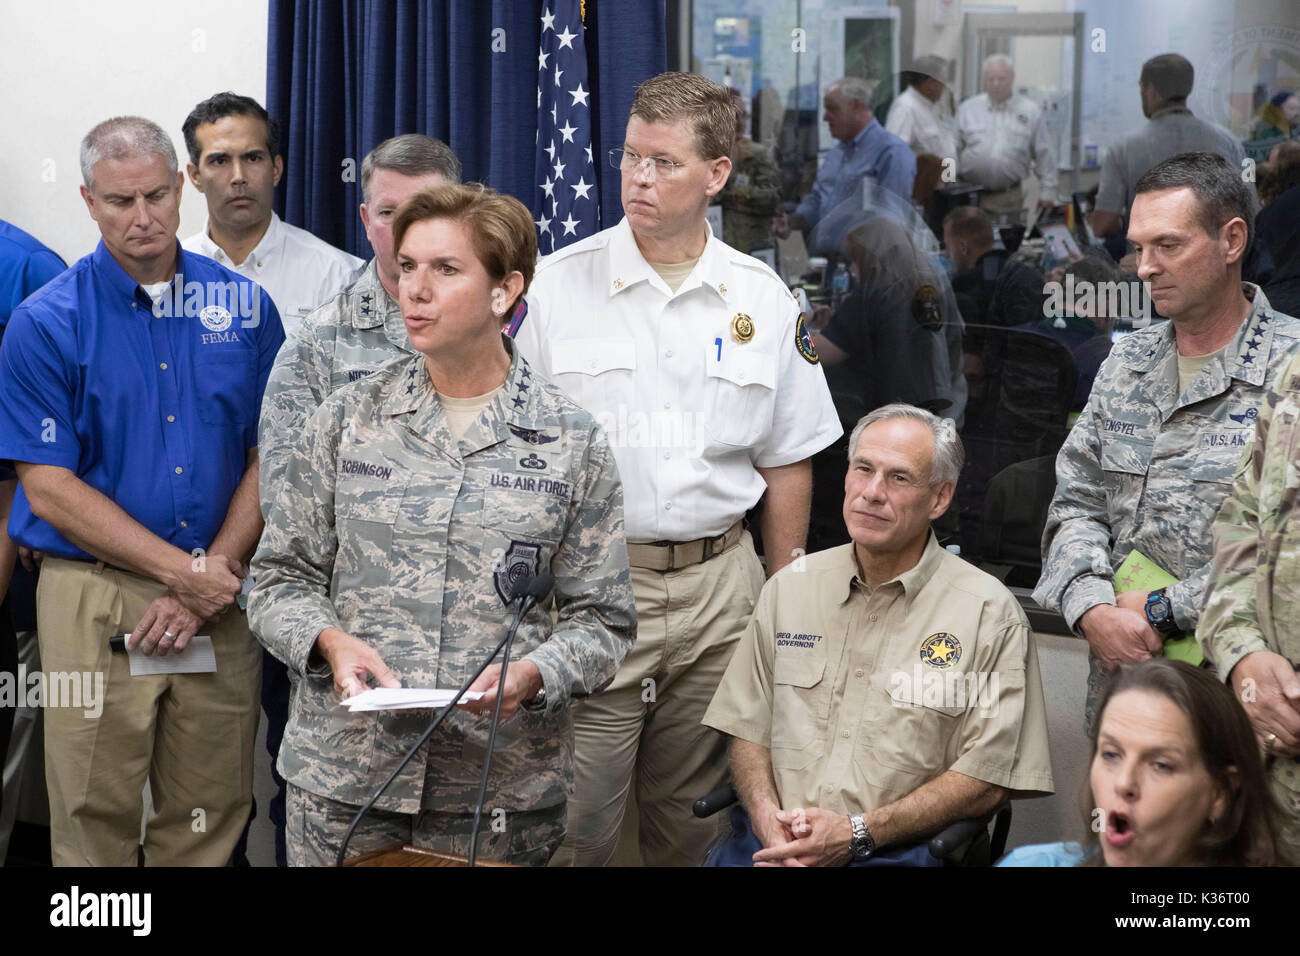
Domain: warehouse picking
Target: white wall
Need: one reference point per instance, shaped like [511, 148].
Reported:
[68, 64]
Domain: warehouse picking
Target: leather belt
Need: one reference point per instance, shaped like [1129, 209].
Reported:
[675, 555]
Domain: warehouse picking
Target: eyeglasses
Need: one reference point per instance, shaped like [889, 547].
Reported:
[626, 161]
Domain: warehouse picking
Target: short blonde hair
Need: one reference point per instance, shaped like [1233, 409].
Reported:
[500, 228]
[670, 97]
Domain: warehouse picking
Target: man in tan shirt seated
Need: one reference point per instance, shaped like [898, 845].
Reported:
[885, 689]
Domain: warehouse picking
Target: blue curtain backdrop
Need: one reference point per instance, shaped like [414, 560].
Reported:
[343, 75]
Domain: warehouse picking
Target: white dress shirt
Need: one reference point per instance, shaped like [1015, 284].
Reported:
[690, 410]
[296, 269]
[1001, 142]
[915, 120]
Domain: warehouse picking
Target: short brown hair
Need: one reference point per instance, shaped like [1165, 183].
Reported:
[670, 97]
[500, 228]
[1169, 74]
[1220, 193]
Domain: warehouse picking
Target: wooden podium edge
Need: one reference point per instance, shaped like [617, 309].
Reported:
[403, 854]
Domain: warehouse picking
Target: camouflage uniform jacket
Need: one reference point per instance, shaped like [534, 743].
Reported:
[389, 529]
[342, 340]
[1146, 468]
[1253, 602]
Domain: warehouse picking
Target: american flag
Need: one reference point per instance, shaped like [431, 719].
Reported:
[568, 204]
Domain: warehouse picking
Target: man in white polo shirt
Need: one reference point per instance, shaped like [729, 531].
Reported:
[236, 165]
[695, 360]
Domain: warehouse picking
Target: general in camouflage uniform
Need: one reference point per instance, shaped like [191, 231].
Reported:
[1147, 468]
[389, 529]
[1253, 600]
[345, 339]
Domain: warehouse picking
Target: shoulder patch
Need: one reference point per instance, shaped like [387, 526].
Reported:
[803, 342]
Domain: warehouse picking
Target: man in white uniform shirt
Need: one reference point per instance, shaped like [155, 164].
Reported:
[1003, 136]
[696, 361]
[914, 116]
[236, 165]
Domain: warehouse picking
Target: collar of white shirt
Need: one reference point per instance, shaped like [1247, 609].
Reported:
[628, 266]
[261, 255]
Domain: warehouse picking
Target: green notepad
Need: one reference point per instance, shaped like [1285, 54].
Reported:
[1140, 573]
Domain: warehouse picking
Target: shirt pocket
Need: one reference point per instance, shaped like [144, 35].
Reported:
[223, 387]
[801, 698]
[909, 728]
[1220, 446]
[739, 394]
[521, 529]
[366, 509]
[1125, 455]
[596, 373]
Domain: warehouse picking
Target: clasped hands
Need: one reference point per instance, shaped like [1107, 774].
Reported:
[802, 837]
[198, 592]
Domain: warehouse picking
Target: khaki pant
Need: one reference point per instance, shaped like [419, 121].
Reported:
[1003, 201]
[315, 827]
[645, 727]
[190, 735]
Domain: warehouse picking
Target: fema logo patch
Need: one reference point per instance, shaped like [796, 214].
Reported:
[941, 650]
[803, 342]
[215, 318]
[521, 562]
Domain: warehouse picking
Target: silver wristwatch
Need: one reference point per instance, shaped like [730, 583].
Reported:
[861, 844]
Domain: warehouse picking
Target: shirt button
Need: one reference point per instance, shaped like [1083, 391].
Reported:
[171, 418]
[593, 364]
[668, 404]
[668, 354]
[668, 454]
[845, 734]
[828, 788]
[668, 506]
[179, 469]
[858, 672]
[162, 365]
[185, 524]
[873, 619]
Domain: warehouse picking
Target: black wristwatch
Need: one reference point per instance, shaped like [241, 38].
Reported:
[862, 843]
[1160, 614]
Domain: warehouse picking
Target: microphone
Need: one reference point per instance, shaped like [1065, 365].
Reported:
[534, 590]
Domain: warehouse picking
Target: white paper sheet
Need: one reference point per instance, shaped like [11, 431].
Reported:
[197, 658]
[404, 698]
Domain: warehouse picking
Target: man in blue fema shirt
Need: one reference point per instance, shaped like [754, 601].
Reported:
[129, 395]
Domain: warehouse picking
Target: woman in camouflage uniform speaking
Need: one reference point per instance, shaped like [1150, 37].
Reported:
[418, 501]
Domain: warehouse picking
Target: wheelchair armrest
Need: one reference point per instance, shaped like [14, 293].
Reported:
[954, 838]
[714, 800]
